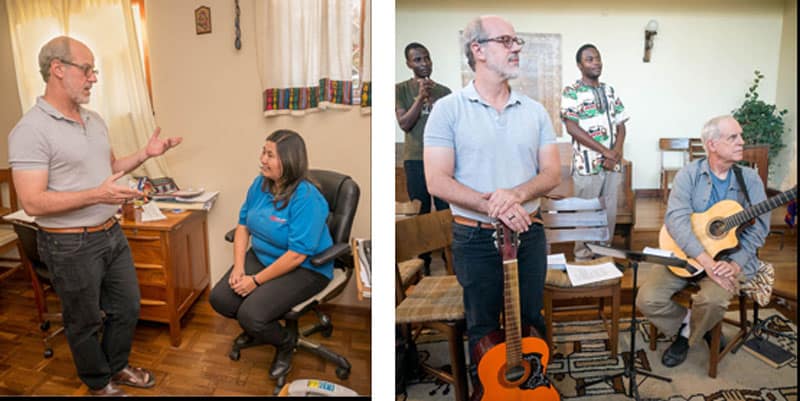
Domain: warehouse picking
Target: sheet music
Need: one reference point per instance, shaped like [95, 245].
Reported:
[585, 274]
[658, 252]
[557, 261]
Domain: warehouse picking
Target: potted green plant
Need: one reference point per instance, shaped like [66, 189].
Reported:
[761, 123]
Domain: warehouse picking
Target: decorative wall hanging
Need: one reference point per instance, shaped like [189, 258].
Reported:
[202, 20]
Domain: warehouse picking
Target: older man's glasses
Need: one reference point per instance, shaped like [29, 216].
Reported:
[506, 40]
[87, 69]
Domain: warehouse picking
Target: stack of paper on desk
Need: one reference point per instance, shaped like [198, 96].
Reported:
[203, 201]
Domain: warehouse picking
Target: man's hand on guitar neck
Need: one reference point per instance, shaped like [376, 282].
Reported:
[506, 206]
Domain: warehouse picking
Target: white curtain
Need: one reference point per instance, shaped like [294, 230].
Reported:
[106, 26]
[305, 54]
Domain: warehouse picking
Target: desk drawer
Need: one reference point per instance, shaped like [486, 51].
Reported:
[146, 246]
[153, 294]
[153, 275]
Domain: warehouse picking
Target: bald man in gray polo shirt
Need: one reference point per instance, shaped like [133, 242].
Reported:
[490, 152]
[65, 171]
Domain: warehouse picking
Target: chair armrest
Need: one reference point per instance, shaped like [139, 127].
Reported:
[330, 254]
[229, 235]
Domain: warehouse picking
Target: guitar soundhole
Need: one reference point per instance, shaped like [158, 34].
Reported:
[515, 373]
[717, 228]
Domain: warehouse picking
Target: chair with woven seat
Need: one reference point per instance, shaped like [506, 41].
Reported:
[341, 193]
[577, 219]
[684, 297]
[435, 302]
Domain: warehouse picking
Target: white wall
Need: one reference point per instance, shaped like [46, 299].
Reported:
[701, 65]
[786, 176]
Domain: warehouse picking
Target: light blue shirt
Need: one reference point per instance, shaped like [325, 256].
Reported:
[299, 227]
[493, 150]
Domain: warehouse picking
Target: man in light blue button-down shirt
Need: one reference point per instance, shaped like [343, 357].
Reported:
[490, 152]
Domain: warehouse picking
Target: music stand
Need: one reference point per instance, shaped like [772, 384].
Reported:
[630, 371]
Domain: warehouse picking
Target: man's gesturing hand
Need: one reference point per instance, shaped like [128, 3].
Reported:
[111, 193]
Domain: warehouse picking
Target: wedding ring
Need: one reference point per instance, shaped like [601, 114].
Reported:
[511, 217]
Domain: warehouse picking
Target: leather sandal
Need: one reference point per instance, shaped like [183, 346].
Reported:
[110, 390]
[134, 377]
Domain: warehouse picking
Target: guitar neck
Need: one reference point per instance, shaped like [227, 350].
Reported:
[512, 314]
[758, 209]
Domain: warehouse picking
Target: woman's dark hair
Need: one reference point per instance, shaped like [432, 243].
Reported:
[294, 164]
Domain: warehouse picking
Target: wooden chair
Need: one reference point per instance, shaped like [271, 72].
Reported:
[435, 302]
[576, 219]
[8, 238]
[696, 150]
[714, 354]
[668, 145]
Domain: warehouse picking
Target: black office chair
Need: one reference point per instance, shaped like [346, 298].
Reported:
[40, 279]
[342, 194]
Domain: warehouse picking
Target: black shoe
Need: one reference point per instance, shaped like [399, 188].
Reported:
[282, 362]
[722, 341]
[676, 353]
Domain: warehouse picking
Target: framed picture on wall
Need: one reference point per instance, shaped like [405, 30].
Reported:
[202, 20]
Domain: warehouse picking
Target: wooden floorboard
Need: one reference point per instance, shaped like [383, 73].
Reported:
[199, 366]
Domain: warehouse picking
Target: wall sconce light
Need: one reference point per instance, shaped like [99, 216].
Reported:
[649, 31]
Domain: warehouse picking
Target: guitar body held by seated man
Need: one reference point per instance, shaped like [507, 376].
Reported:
[716, 228]
[512, 367]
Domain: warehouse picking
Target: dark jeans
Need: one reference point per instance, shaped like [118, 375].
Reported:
[93, 272]
[417, 188]
[478, 267]
[259, 312]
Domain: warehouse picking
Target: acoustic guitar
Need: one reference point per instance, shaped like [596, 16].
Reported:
[514, 369]
[716, 229]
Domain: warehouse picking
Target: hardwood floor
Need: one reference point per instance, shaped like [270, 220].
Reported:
[200, 366]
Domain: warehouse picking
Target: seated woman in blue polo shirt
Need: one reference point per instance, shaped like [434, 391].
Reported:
[284, 217]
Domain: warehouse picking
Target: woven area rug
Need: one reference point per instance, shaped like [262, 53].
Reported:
[582, 355]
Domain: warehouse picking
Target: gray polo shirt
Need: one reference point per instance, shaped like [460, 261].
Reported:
[77, 157]
[492, 150]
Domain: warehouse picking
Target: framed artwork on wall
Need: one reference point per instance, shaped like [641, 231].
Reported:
[202, 20]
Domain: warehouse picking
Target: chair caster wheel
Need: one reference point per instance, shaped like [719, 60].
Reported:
[234, 355]
[327, 331]
[342, 373]
[45, 325]
[48, 353]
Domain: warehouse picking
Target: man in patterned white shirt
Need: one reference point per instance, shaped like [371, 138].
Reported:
[595, 117]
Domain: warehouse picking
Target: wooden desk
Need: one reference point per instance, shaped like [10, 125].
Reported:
[171, 259]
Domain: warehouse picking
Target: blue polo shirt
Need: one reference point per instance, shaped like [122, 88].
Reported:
[299, 227]
[492, 150]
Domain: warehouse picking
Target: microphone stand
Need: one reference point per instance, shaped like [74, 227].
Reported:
[630, 371]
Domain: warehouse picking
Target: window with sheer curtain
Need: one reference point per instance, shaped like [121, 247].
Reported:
[313, 54]
[107, 26]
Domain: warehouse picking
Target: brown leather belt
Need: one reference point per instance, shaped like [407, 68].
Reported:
[79, 230]
[464, 221]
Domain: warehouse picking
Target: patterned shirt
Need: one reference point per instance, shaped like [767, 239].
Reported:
[598, 111]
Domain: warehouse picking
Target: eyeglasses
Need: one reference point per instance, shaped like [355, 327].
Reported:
[506, 40]
[86, 68]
